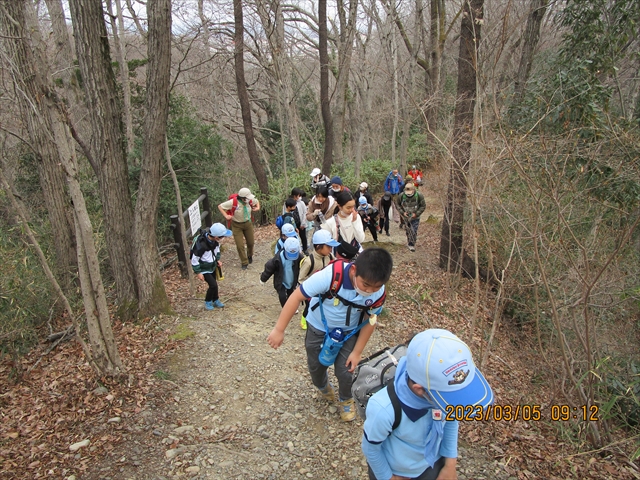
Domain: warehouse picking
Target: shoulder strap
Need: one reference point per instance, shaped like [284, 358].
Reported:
[337, 276]
[397, 409]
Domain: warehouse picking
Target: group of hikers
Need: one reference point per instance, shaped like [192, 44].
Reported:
[407, 431]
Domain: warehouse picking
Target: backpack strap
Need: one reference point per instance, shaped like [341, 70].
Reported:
[395, 401]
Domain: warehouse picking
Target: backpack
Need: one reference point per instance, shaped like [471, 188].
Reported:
[234, 207]
[285, 218]
[196, 237]
[337, 277]
[373, 374]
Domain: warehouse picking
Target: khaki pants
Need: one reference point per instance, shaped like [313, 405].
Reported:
[243, 231]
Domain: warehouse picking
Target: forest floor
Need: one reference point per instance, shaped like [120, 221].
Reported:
[206, 397]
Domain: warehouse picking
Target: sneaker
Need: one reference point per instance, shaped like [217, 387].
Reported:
[250, 260]
[244, 267]
[328, 392]
[387, 234]
[208, 305]
[347, 410]
[412, 248]
[303, 322]
[218, 304]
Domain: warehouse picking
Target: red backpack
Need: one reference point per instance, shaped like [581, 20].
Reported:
[234, 197]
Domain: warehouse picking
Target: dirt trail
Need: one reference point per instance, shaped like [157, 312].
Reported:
[235, 408]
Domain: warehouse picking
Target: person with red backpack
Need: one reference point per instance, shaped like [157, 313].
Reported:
[238, 211]
[344, 301]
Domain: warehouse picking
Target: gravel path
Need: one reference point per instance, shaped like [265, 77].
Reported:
[235, 408]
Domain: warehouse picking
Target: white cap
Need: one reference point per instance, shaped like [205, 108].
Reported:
[292, 248]
[246, 193]
[315, 171]
[364, 185]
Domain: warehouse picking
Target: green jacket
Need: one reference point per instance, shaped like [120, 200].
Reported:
[409, 205]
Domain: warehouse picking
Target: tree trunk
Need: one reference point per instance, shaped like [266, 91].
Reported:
[243, 97]
[152, 297]
[107, 145]
[530, 42]
[117, 28]
[451, 245]
[47, 109]
[345, 51]
[396, 101]
[327, 121]
[437, 37]
[29, 73]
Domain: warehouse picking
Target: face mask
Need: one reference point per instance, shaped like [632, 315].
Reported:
[335, 189]
[317, 202]
[342, 214]
[409, 194]
[361, 292]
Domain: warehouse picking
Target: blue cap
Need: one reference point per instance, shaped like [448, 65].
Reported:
[337, 180]
[362, 200]
[288, 230]
[442, 364]
[323, 237]
[292, 248]
[219, 230]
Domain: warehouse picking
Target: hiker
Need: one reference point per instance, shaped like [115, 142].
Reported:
[319, 258]
[437, 372]
[320, 207]
[384, 205]
[301, 207]
[346, 227]
[337, 187]
[237, 210]
[287, 231]
[289, 214]
[205, 259]
[318, 179]
[342, 298]
[393, 183]
[364, 192]
[411, 204]
[368, 215]
[284, 267]
[416, 175]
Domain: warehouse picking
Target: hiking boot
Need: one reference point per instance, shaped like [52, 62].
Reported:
[347, 410]
[208, 305]
[303, 322]
[387, 234]
[250, 260]
[328, 393]
[244, 267]
[218, 304]
[412, 248]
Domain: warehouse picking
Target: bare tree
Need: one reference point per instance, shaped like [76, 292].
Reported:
[48, 113]
[530, 41]
[451, 247]
[327, 120]
[152, 296]
[243, 97]
[21, 59]
[107, 146]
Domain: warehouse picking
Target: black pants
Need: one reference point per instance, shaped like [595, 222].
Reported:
[212, 293]
[283, 294]
[372, 228]
[303, 239]
[384, 222]
[430, 473]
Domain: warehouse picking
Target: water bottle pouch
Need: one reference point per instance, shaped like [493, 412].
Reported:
[329, 351]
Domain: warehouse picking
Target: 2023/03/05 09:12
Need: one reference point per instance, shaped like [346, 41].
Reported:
[510, 413]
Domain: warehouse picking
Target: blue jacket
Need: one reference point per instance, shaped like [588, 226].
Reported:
[392, 184]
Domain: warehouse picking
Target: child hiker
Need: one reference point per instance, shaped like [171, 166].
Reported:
[205, 259]
[287, 231]
[437, 373]
[284, 267]
[368, 214]
[343, 298]
[320, 257]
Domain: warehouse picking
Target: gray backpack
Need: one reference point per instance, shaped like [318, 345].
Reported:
[373, 374]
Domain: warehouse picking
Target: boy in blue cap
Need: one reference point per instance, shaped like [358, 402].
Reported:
[344, 296]
[285, 268]
[287, 231]
[205, 259]
[438, 371]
